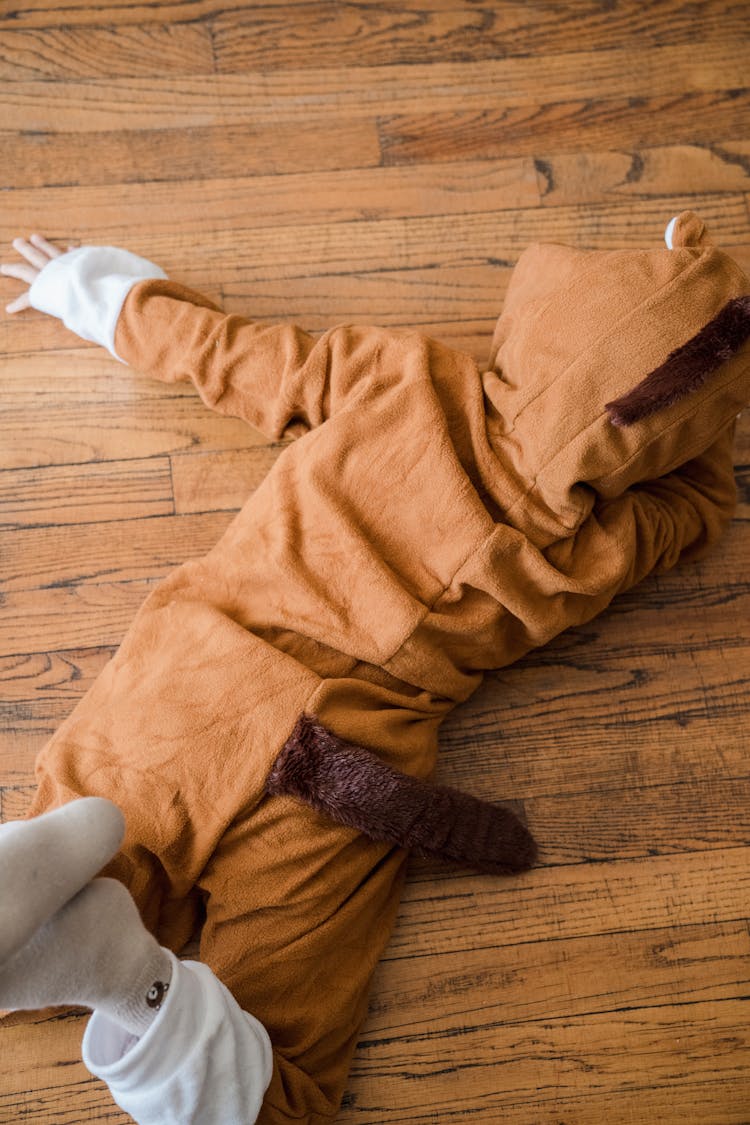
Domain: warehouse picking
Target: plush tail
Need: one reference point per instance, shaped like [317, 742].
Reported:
[353, 787]
[687, 368]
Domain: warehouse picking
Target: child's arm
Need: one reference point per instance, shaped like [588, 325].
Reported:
[680, 516]
[276, 377]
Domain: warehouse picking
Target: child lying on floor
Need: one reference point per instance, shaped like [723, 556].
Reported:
[259, 746]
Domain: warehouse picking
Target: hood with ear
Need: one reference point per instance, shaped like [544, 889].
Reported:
[610, 368]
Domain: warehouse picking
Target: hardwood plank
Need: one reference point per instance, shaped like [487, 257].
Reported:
[101, 52]
[628, 818]
[81, 494]
[15, 802]
[74, 433]
[457, 304]
[112, 213]
[83, 616]
[562, 978]
[344, 276]
[698, 809]
[686, 688]
[261, 37]
[84, 373]
[80, 13]
[659, 75]
[702, 118]
[581, 177]
[18, 750]
[542, 1062]
[705, 949]
[343, 299]
[30, 331]
[42, 156]
[116, 551]
[636, 820]
[25, 335]
[51, 676]
[512, 28]
[36, 694]
[461, 912]
[42, 1078]
[218, 481]
[719, 1103]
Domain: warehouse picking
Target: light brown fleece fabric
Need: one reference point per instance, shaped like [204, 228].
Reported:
[432, 522]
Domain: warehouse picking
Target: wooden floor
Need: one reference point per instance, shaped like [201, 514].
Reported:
[327, 162]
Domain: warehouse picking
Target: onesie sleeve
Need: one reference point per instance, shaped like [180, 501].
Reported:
[677, 517]
[276, 377]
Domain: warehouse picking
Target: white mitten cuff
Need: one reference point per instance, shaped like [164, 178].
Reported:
[86, 289]
[202, 1059]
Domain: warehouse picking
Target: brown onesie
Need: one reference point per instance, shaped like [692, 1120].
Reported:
[432, 521]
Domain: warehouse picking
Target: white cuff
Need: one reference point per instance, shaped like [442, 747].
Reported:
[86, 289]
[202, 1059]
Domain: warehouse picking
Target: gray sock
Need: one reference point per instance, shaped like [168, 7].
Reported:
[65, 939]
[45, 861]
[94, 951]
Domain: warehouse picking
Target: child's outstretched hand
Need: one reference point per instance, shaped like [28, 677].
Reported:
[37, 252]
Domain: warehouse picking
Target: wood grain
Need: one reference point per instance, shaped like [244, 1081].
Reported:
[65, 53]
[85, 494]
[323, 163]
[543, 1061]
[694, 117]
[255, 201]
[69, 617]
[441, 27]
[438, 31]
[385, 91]
[87, 431]
[42, 156]
[117, 550]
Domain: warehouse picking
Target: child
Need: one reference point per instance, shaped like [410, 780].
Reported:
[432, 522]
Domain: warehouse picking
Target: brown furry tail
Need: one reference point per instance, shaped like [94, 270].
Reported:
[686, 368]
[353, 787]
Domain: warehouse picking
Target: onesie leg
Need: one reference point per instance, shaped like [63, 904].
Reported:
[299, 914]
[300, 911]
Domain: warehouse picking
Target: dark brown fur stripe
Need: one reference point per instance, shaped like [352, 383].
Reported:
[688, 367]
[353, 787]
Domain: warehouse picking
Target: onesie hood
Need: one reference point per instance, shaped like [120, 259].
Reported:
[611, 368]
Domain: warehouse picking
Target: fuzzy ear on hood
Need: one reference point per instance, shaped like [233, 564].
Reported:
[610, 368]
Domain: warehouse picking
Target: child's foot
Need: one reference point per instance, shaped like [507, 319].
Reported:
[44, 862]
[94, 951]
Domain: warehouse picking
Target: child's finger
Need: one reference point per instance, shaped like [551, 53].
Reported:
[21, 302]
[30, 253]
[50, 250]
[20, 271]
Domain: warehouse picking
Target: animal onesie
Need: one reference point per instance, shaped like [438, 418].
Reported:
[433, 520]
